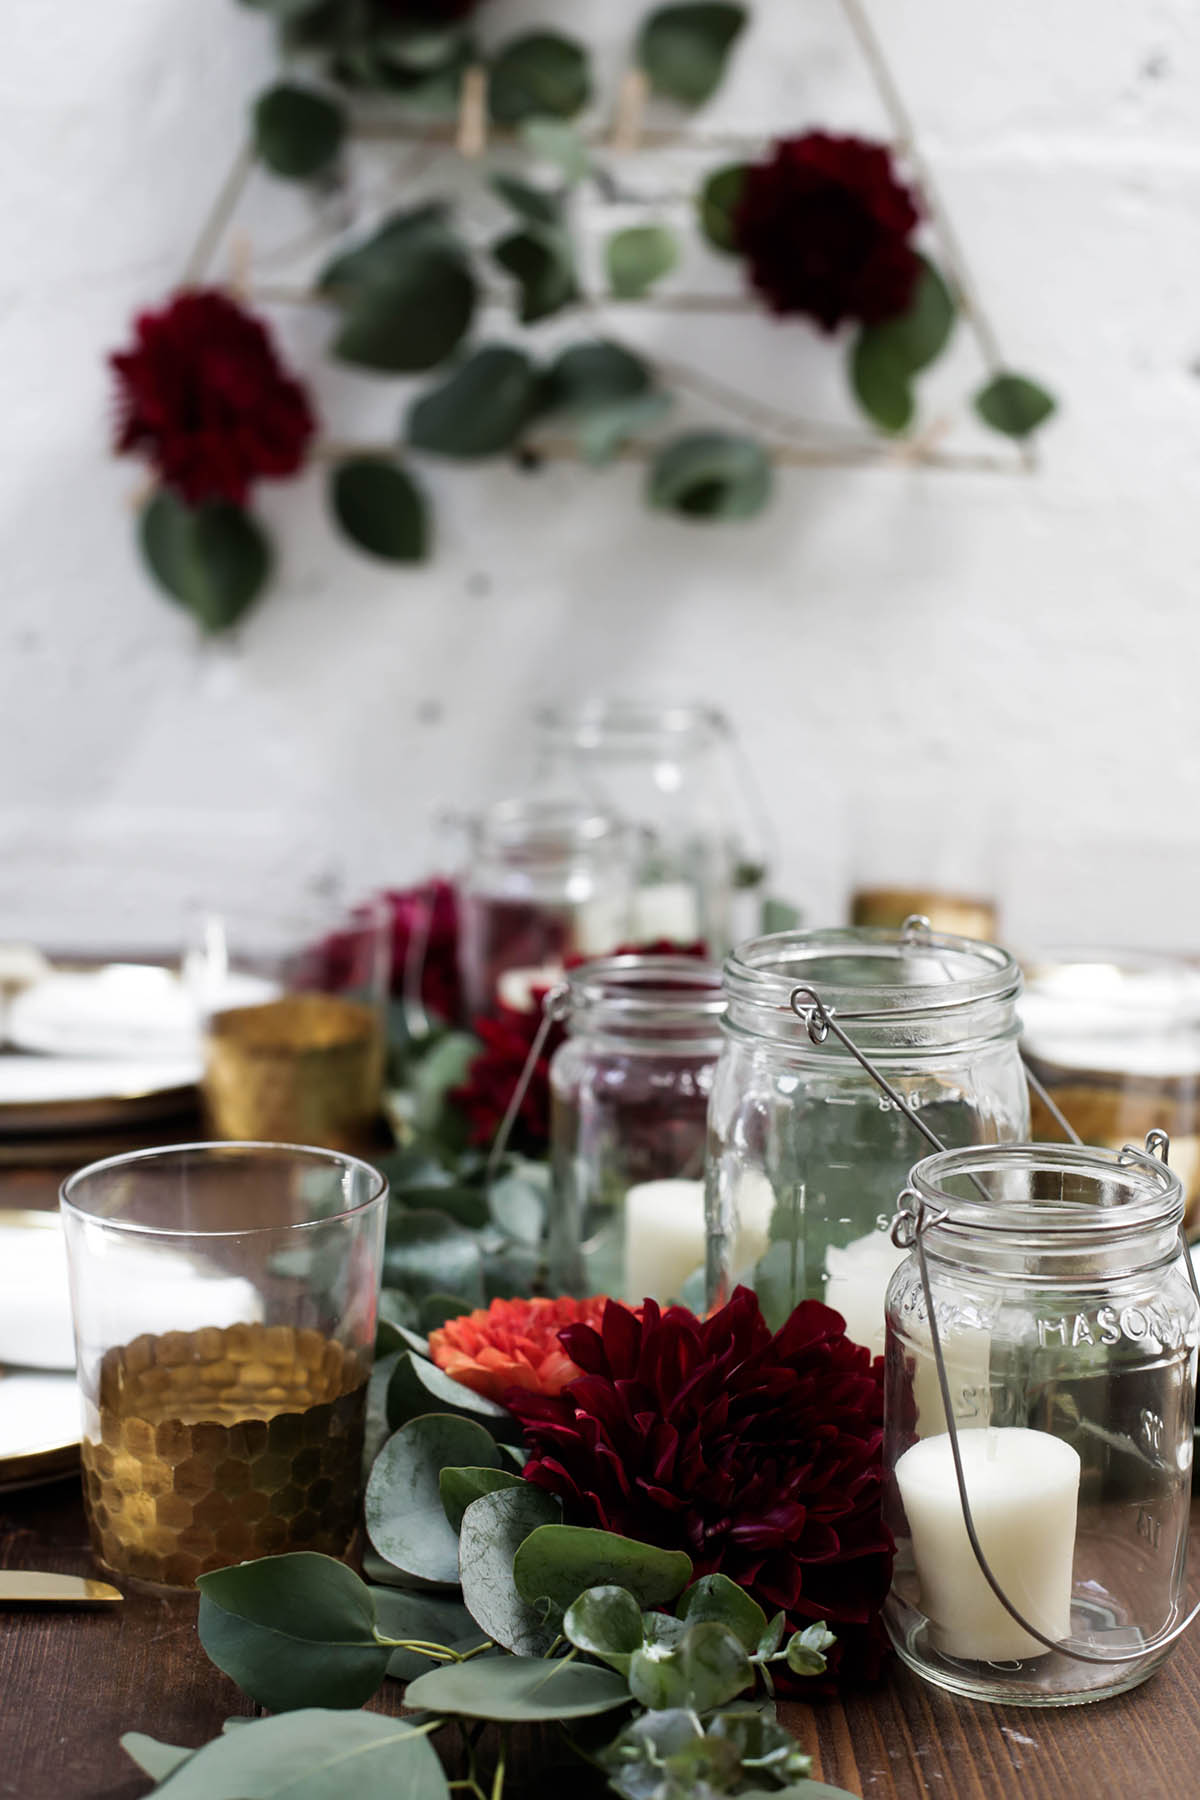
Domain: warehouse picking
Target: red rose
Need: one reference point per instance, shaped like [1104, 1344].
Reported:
[203, 395]
[759, 1455]
[825, 227]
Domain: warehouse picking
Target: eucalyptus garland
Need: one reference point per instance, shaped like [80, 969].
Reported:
[825, 227]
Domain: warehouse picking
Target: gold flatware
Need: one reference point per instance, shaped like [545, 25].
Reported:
[33, 1587]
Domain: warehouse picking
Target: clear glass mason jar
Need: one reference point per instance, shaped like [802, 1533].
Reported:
[805, 1153]
[629, 1100]
[1068, 1327]
[676, 774]
[544, 879]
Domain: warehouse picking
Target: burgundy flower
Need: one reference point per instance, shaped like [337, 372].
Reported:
[203, 395]
[825, 227]
[758, 1455]
[430, 912]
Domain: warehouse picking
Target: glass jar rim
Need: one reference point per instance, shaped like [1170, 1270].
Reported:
[638, 985]
[626, 723]
[162, 1153]
[1153, 1194]
[548, 827]
[982, 971]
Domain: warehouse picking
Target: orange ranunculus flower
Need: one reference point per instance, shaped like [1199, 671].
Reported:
[513, 1343]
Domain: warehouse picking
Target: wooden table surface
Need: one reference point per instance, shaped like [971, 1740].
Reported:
[71, 1683]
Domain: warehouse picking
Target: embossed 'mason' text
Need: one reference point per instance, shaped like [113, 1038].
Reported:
[1151, 1325]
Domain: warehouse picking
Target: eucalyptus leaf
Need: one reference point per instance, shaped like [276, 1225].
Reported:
[918, 335]
[593, 373]
[153, 1758]
[882, 384]
[213, 559]
[406, 1521]
[427, 1619]
[1014, 405]
[380, 508]
[519, 1689]
[715, 1664]
[710, 475]
[459, 1487]
[443, 1068]
[428, 1252]
[435, 1309]
[292, 1630]
[719, 200]
[542, 260]
[307, 1756]
[684, 48]
[386, 254]
[638, 257]
[605, 1622]
[559, 1562]
[657, 1680]
[465, 1205]
[538, 206]
[481, 409]
[761, 1742]
[376, 1428]
[717, 1597]
[418, 1386]
[423, 49]
[602, 430]
[297, 132]
[537, 76]
[492, 1531]
[555, 142]
[518, 1203]
[806, 1649]
[772, 1636]
[414, 319]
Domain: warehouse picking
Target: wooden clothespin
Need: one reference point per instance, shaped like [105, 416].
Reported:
[632, 95]
[472, 134]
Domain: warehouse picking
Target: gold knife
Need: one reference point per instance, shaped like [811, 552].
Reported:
[33, 1587]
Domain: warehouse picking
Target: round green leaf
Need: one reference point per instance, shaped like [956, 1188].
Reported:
[605, 1622]
[716, 1597]
[293, 1630]
[559, 1562]
[405, 1518]
[481, 409]
[459, 1487]
[657, 1680]
[418, 1386]
[537, 205]
[435, 1309]
[380, 508]
[154, 1758]
[297, 132]
[720, 198]
[518, 1689]
[539, 75]
[711, 475]
[414, 319]
[639, 257]
[554, 142]
[422, 50]
[426, 1619]
[493, 1529]
[427, 1252]
[602, 430]
[386, 254]
[1014, 405]
[213, 559]
[915, 337]
[715, 1665]
[306, 1756]
[594, 373]
[519, 1201]
[882, 382]
[543, 261]
[684, 49]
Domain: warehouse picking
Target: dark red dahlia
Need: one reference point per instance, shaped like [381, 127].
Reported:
[825, 227]
[758, 1455]
[425, 930]
[493, 1075]
[203, 395]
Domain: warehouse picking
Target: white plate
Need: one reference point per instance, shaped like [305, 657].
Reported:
[51, 1080]
[121, 1011]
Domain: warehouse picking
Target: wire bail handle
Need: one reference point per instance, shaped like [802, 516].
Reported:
[914, 1217]
[556, 1005]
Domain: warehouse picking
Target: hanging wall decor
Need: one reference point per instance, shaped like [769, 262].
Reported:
[834, 234]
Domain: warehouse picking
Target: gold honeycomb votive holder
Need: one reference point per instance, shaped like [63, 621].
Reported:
[236, 1431]
[305, 1069]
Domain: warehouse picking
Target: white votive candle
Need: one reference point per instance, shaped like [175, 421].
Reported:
[1023, 1487]
[664, 1238]
[666, 909]
[856, 1284]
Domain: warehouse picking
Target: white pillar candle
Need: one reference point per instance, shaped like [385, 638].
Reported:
[664, 1238]
[856, 1284]
[516, 987]
[666, 909]
[1023, 1487]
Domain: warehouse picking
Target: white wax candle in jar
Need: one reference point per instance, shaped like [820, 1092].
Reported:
[666, 909]
[856, 1284]
[664, 1238]
[1023, 1488]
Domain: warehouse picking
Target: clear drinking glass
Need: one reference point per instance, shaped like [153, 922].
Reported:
[805, 1153]
[1068, 1329]
[224, 1298]
[677, 774]
[293, 1006]
[629, 1100]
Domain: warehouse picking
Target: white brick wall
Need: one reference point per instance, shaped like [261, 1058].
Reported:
[971, 644]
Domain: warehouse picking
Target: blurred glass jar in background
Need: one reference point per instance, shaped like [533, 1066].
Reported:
[629, 1103]
[543, 879]
[941, 862]
[302, 1061]
[1114, 1037]
[805, 1153]
[676, 774]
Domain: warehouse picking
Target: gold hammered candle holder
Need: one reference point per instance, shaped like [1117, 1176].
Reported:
[305, 1069]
